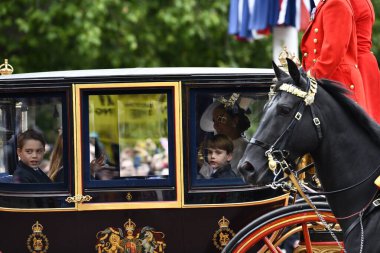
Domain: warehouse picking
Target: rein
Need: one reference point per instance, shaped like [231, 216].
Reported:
[286, 168]
[343, 189]
[364, 212]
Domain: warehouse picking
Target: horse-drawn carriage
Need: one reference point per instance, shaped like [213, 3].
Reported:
[149, 128]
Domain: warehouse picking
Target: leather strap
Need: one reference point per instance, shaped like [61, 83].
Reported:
[367, 212]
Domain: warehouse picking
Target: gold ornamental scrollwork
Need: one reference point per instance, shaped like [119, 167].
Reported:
[78, 199]
[284, 54]
[319, 249]
[129, 196]
[37, 242]
[131, 239]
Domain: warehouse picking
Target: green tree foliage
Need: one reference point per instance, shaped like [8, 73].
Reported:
[376, 30]
[44, 35]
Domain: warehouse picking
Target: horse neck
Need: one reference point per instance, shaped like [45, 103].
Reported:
[346, 155]
[345, 146]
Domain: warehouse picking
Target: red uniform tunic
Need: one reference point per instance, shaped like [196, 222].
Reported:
[364, 19]
[329, 46]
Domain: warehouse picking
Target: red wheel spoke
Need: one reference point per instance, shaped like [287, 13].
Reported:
[271, 247]
[270, 233]
[307, 238]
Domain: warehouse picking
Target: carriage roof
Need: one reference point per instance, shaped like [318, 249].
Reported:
[137, 72]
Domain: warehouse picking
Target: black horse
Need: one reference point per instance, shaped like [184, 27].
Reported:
[317, 117]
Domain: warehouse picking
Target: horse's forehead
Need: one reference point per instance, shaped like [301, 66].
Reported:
[284, 98]
[271, 110]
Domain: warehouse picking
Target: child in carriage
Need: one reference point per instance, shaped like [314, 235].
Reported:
[219, 154]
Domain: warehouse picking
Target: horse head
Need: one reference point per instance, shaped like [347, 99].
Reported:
[286, 127]
[303, 116]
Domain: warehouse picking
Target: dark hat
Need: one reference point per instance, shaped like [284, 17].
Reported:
[207, 123]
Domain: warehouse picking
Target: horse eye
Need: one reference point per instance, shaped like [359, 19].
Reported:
[284, 110]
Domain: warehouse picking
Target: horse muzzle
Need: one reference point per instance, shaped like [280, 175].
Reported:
[252, 176]
[247, 171]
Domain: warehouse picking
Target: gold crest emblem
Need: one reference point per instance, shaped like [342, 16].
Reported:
[223, 235]
[37, 242]
[131, 240]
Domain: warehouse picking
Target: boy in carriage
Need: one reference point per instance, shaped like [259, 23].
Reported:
[219, 155]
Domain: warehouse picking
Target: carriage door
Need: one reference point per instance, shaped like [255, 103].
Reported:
[127, 145]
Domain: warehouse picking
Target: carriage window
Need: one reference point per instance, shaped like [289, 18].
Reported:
[130, 142]
[223, 125]
[32, 156]
[128, 136]
[29, 130]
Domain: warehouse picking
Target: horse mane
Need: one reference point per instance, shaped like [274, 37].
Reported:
[339, 93]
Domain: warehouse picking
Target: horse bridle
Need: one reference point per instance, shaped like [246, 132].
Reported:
[308, 100]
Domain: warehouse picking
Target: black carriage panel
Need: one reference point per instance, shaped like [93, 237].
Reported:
[48, 112]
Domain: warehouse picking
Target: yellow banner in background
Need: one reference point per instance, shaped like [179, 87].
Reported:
[127, 119]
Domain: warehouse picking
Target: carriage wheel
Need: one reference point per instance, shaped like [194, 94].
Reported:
[266, 233]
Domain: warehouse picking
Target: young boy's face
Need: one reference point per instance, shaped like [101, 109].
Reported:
[31, 153]
[218, 157]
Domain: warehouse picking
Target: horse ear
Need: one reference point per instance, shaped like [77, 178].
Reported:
[293, 71]
[280, 74]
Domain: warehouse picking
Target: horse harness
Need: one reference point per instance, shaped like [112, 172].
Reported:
[276, 155]
[308, 99]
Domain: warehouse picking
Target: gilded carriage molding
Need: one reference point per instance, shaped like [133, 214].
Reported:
[130, 201]
[78, 199]
[319, 249]
[282, 200]
[37, 242]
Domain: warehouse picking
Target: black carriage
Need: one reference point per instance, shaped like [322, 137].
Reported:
[147, 114]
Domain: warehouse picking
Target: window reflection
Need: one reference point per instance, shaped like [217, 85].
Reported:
[56, 173]
[128, 136]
